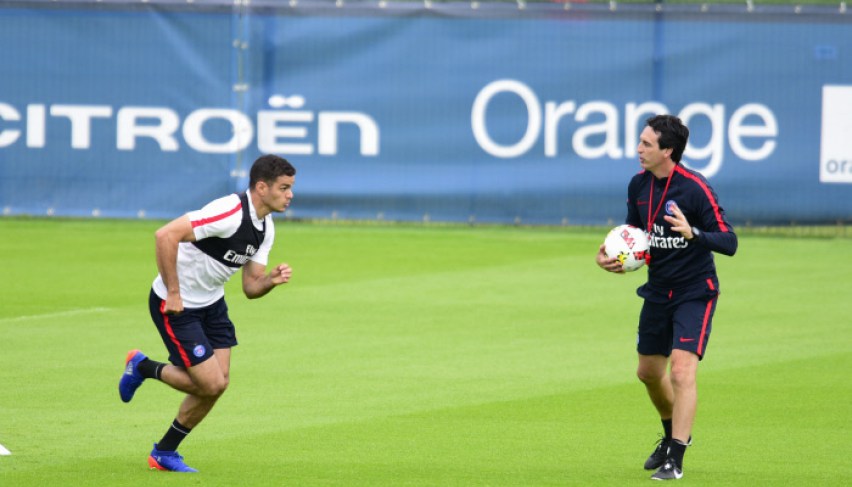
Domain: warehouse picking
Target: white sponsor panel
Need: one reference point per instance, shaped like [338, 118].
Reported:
[835, 158]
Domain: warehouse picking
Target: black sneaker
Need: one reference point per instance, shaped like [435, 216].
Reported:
[669, 471]
[661, 452]
[658, 458]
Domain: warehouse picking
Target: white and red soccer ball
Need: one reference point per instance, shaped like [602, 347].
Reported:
[629, 245]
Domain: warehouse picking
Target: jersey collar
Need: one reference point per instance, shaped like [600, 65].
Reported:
[252, 212]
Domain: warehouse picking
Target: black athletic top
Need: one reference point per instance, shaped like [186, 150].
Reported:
[674, 261]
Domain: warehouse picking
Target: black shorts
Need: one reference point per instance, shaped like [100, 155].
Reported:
[677, 319]
[192, 335]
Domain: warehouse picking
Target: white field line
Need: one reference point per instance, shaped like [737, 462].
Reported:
[4, 451]
[59, 314]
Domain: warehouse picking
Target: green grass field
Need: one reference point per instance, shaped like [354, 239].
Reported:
[424, 356]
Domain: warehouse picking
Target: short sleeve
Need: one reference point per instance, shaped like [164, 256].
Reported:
[219, 218]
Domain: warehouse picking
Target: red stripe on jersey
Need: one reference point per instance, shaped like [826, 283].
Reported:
[183, 356]
[205, 221]
[680, 170]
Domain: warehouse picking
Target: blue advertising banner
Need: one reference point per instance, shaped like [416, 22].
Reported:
[406, 112]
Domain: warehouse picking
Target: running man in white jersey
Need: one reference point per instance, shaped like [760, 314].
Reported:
[196, 254]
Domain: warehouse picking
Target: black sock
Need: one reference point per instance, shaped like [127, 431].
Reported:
[150, 369]
[176, 433]
[676, 451]
[667, 427]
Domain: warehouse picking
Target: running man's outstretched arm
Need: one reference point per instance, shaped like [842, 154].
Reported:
[256, 282]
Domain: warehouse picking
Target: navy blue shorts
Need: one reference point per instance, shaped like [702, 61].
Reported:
[192, 335]
[677, 319]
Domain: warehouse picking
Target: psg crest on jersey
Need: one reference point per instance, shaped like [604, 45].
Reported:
[670, 206]
[198, 351]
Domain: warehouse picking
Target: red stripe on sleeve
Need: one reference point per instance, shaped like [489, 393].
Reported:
[709, 195]
[183, 356]
[212, 219]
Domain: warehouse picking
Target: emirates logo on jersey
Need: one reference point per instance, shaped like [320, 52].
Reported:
[240, 259]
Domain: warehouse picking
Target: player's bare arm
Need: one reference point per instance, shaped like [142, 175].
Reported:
[168, 237]
[607, 263]
[256, 281]
[679, 223]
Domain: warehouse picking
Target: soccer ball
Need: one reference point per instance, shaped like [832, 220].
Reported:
[629, 245]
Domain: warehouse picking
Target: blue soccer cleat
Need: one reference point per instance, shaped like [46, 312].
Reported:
[131, 379]
[169, 461]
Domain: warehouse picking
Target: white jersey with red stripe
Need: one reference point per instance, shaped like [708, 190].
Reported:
[202, 278]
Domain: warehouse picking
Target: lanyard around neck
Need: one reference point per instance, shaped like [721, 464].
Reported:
[652, 218]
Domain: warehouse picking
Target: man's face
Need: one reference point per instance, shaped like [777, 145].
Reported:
[277, 195]
[650, 154]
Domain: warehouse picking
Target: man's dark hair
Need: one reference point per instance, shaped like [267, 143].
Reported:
[268, 168]
[673, 134]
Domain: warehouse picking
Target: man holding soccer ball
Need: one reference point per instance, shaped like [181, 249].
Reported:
[196, 255]
[685, 224]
